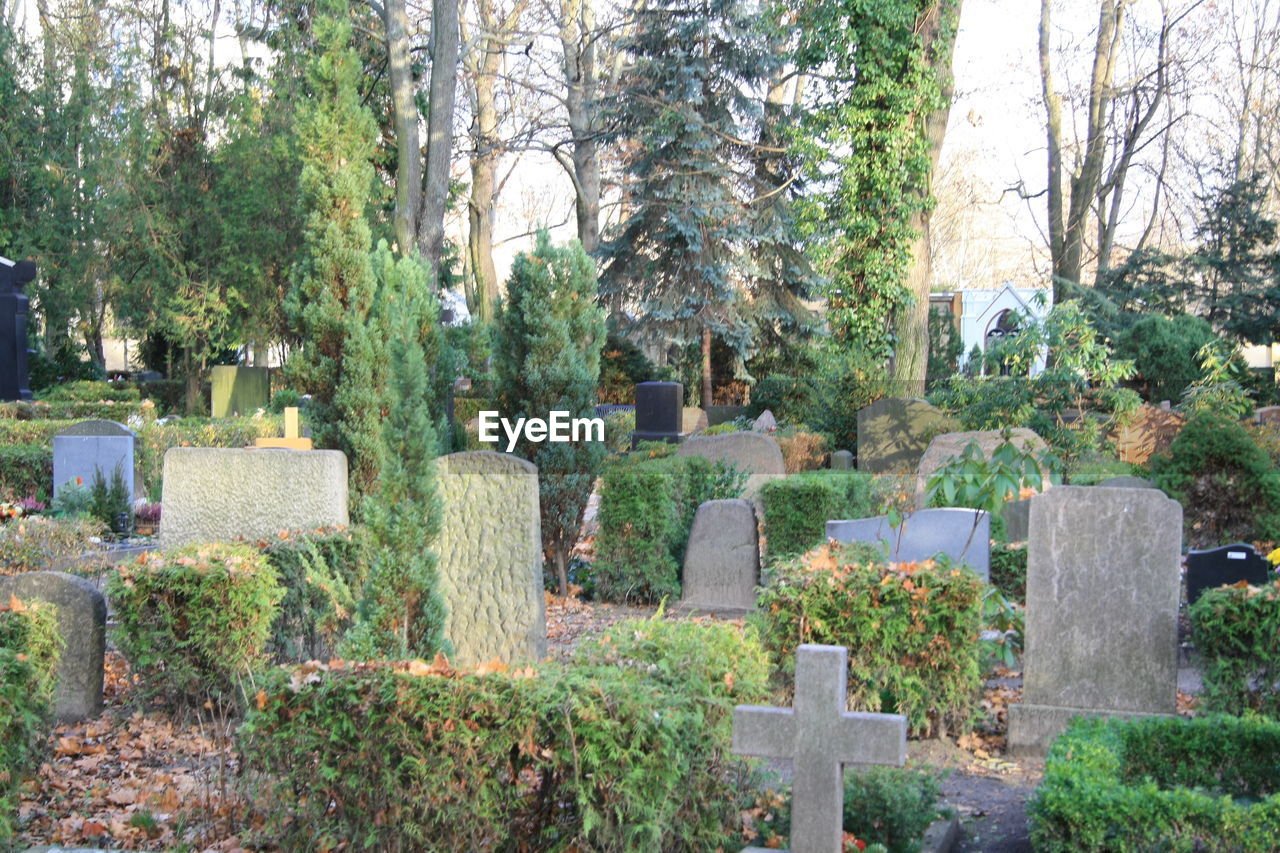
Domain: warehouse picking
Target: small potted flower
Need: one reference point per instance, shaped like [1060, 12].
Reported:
[147, 518]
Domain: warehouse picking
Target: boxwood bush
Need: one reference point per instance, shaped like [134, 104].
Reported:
[194, 622]
[1236, 630]
[594, 756]
[1161, 783]
[911, 630]
[797, 508]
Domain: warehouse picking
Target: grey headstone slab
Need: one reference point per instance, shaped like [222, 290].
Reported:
[490, 558]
[1128, 483]
[753, 452]
[87, 448]
[722, 559]
[82, 620]
[964, 535]
[766, 422]
[98, 427]
[1267, 415]
[842, 460]
[893, 433]
[1103, 578]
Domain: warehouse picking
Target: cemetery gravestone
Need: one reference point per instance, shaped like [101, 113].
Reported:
[490, 566]
[820, 737]
[842, 460]
[1215, 567]
[1102, 610]
[765, 423]
[1128, 483]
[659, 406]
[722, 560]
[218, 494]
[893, 433]
[92, 447]
[1017, 520]
[753, 452]
[964, 535]
[239, 391]
[14, 305]
[1267, 415]
[948, 446]
[82, 621]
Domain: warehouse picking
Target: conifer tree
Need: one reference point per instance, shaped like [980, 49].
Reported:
[342, 362]
[547, 348]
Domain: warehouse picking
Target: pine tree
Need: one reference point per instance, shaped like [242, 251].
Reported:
[548, 341]
[343, 359]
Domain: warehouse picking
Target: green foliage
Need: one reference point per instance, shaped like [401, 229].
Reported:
[622, 366]
[1236, 630]
[26, 470]
[155, 438]
[83, 391]
[1163, 350]
[283, 399]
[194, 622]
[1228, 486]
[547, 343]
[945, 346]
[74, 500]
[911, 630]
[790, 398]
[1009, 569]
[597, 756]
[972, 480]
[1205, 784]
[110, 503]
[1006, 618]
[1219, 389]
[31, 629]
[322, 573]
[797, 508]
[646, 511]
[1090, 469]
[39, 431]
[40, 543]
[24, 711]
[618, 427]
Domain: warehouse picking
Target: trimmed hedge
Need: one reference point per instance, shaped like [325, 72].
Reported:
[797, 508]
[90, 391]
[911, 630]
[77, 410]
[1236, 630]
[194, 622]
[647, 507]
[40, 543]
[155, 438]
[322, 572]
[26, 470]
[32, 432]
[591, 757]
[1168, 784]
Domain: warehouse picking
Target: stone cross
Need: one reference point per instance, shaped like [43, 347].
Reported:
[819, 736]
[293, 439]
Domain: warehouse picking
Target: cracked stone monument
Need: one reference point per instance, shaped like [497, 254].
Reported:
[722, 560]
[14, 304]
[1103, 577]
[490, 565]
[819, 737]
[82, 621]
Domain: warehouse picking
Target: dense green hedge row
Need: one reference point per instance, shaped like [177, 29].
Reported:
[1236, 630]
[797, 508]
[626, 750]
[26, 470]
[154, 439]
[29, 651]
[78, 410]
[1167, 784]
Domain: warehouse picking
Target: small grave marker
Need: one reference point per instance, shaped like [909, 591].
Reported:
[962, 534]
[820, 737]
[293, 439]
[1215, 567]
[722, 560]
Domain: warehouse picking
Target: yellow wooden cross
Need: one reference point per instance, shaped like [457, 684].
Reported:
[293, 439]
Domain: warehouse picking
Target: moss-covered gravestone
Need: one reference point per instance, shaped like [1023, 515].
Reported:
[239, 391]
[893, 433]
[490, 558]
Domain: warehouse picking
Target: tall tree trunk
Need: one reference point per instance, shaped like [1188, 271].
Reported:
[707, 398]
[936, 26]
[577, 40]
[405, 105]
[444, 84]
[1053, 132]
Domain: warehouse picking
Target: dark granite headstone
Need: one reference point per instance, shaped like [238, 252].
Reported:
[14, 381]
[1214, 567]
[659, 408]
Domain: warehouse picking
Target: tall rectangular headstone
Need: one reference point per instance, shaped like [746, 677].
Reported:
[239, 391]
[1103, 577]
[964, 535]
[14, 304]
[659, 409]
[91, 447]
[722, 559]
[894, 433]
[490, 558]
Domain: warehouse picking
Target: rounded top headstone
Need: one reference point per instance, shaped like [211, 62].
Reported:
[98, 427]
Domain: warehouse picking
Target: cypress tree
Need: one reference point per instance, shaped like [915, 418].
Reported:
[549, 335]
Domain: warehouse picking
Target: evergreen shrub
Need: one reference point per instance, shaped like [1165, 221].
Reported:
[595, 756]
[154, 439]
[194, 622]
[911, 630]
[1236, 630]
[31, 432]
[86, 391]
[1009, 569]
[26, 470]
[41, 543]
[1161, 783]
[797, 508]
[322, 572]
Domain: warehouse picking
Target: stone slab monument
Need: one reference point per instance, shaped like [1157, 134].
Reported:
[722, 560]
[755, 453]
[91, 447]
[239, 391]
[14, 305]
[1215, 567]
[659, 412]
[82, 621]
[1103, 578]
[894, 433]
[962, 534]
[220, 494]
[490, 558]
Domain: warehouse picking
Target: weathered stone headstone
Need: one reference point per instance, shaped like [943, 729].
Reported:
[765, 423]
[490, 558]
[949, 445]
[1147, 431]
[692, 419]
[1103, 581]
[754, 452]
[842, 460]
[219, 494]
[1017, 520]
[82, 621]
[239, 391]
[659, 406]
[84, 449]
[1214, 567]
[1267, 415]
[893, 433]
[722, 559]
[1127, 483]
[964, 535]
[293, 439]
[14, 304]
[820, 737]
